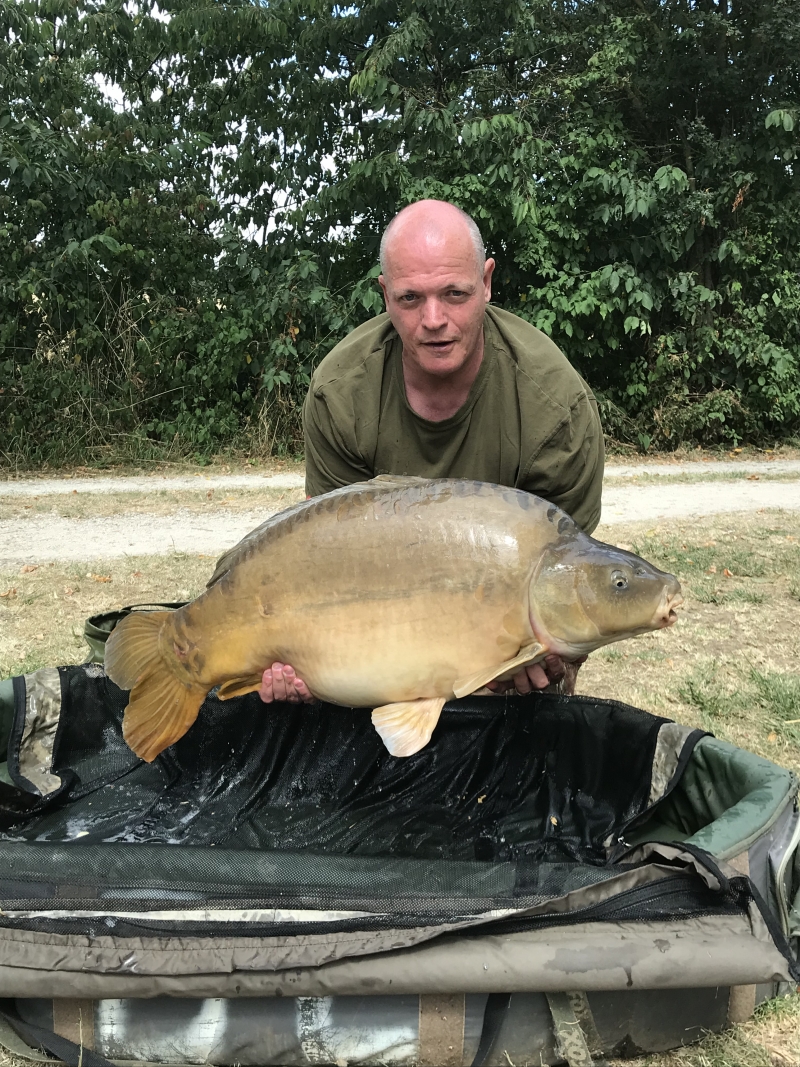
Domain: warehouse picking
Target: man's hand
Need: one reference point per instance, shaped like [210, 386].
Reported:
[550, 671]
[279, 682]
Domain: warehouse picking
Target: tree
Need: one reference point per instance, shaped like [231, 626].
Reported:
[192, 195]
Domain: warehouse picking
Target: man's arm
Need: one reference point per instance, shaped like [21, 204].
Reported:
[568, 469]
[330, 460]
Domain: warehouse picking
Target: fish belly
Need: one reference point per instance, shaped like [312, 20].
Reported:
[380, 652]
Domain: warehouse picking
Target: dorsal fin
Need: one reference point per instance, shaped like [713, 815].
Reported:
[400, 479]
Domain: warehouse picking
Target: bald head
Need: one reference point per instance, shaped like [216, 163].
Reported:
[434, 225]
[436, 282]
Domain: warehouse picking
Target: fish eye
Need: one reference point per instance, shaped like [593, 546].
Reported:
[619, 580]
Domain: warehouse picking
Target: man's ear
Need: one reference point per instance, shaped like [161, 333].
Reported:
[488, 270]
[382, 283]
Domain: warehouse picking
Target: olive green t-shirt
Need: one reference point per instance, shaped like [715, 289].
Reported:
[529, 421]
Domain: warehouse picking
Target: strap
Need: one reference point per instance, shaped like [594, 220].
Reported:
[69, 1052]
[576, 1034]
[10, 1041]
[441, 1029]
[493, 1015]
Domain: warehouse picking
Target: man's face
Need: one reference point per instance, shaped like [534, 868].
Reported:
[436, 295]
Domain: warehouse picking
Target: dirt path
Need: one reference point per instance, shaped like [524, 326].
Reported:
[44, 537]
[39, 487]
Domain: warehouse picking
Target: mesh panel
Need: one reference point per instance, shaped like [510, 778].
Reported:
[508, 807]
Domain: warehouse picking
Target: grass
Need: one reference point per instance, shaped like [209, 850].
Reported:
[616, 452]
[774, 699]
[41, 623]
[121, 464]
[702, 476]
[730, 665]
[77, 505]
[770, 1039]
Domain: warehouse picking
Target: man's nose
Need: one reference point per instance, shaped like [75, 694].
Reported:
[434, 315]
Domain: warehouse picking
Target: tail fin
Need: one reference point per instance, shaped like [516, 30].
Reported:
[161, 707]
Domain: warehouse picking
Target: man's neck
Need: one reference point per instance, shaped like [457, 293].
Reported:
[435, 398]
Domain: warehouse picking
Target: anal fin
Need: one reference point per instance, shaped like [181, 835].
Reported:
[524, 658]
[237, 687]
[406, 727]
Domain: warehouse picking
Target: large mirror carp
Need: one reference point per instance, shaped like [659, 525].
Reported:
[395, 594]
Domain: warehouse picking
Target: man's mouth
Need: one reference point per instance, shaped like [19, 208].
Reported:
[438, 345]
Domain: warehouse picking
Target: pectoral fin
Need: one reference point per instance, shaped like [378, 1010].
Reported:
[524, 658]
[406, 728]
[237, 687]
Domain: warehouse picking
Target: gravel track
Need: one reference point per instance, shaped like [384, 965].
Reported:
[41, 538]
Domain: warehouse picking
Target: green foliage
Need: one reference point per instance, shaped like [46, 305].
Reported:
[192, 195]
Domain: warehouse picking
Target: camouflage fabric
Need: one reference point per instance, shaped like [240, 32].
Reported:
[42, 712]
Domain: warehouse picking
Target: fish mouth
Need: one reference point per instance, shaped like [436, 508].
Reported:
[666, 614]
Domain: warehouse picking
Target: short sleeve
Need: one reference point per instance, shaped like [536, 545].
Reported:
[330, 460]
[568, 469]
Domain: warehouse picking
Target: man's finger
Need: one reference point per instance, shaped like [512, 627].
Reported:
[278, 682]
[536, 676]
[303, 691]
[554, 666]
[290, 681]
[266, 692]
[522, 682]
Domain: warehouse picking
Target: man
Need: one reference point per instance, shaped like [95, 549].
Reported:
[444, 386]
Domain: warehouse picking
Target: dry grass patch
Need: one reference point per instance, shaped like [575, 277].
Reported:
[205, 501]
[228, 464]
[620, 453]
[42, 610]
[7, 1060]
[691, 477]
